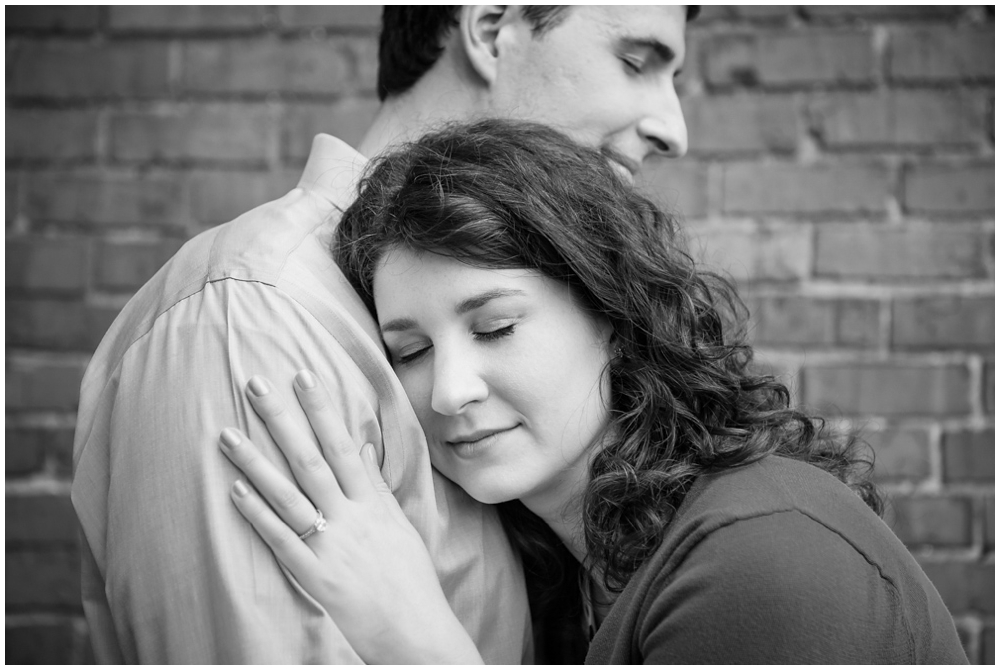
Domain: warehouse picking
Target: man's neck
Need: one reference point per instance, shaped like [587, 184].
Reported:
[449, 91]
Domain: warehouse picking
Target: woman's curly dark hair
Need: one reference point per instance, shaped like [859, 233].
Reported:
[685, 400]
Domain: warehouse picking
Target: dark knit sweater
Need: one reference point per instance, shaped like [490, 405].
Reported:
[777, 562]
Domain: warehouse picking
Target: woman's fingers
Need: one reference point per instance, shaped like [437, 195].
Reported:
[282, 540]
[342, 453]
[296, 442]
[295, 510]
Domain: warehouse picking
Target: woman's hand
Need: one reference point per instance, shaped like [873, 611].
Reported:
[364, 561]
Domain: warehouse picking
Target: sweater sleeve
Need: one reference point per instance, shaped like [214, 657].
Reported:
[779, 588]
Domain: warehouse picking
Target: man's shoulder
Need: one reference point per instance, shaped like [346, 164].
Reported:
[286, 236]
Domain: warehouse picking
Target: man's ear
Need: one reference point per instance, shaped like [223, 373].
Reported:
[480, 27]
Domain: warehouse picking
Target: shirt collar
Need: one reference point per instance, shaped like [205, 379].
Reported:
[333, 170]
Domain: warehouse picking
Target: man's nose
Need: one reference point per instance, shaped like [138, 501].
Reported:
[457, 383]
[663, 129]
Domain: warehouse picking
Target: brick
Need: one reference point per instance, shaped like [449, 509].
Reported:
[943, 322]
[35, 134]
[22, 453]
[990, 117]
[264, 66]
[107, 198]
[933, 521]
[48, 578]
[949, 189]
[901, 454]
[764, 255]
[347, 120]
[787, 59]
[790, 189]
[11, 205]
[968, 456]
[870, 252]
[363, 52]
[39, 519]
[188, 18]
[83, 69]
[218, 197]
[964, 586]
[39, 265]
[348, 17]
[989, 385]
[27, 449]
[52, 385]
[678, 187]
[883, 389]
[55, 324]
[989, 525]
[897, 119]
[41, 643]
[708, 13]
[939, 53]
[128, 265]
[808, 321]
[69, 18]
[741, 124]
[880, 11]
[202, 133]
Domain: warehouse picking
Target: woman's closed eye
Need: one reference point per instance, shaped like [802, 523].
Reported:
[409, 355]
[495, 334]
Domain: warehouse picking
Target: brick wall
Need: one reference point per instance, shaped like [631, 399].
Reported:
[841, 168]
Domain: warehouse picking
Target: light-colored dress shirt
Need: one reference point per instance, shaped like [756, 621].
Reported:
[171, 572]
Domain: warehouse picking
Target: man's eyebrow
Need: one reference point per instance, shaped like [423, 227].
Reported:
[467, 305]
[478, 300]
[663, 52]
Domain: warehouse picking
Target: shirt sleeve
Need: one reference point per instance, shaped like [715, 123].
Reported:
[780, 588]
[173, 573]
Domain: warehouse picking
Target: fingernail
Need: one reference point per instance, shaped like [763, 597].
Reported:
[370, 450]
[240, 489]
[258, 386]
[230, 438]
[306, 379]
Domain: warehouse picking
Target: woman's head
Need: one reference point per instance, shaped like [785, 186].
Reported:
[488, 254]
[667, 391]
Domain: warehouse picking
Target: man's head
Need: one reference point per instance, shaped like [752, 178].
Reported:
[604, 75]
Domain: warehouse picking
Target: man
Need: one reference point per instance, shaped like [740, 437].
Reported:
[171, 573]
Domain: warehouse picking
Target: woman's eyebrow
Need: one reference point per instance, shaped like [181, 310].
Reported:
[465, 306]
[397, 325]
[480, 299]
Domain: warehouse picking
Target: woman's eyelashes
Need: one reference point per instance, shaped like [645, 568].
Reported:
[411, 354]
[496, 334]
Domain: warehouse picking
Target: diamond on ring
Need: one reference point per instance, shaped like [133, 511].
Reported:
[319, 525]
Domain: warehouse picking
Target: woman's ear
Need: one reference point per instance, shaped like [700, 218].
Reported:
[480, 27]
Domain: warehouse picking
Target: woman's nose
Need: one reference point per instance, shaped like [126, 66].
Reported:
[457, 383]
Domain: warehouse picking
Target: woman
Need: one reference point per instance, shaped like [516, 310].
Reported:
[568, 362]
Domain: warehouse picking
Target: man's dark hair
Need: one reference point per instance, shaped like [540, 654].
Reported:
[413, 38]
